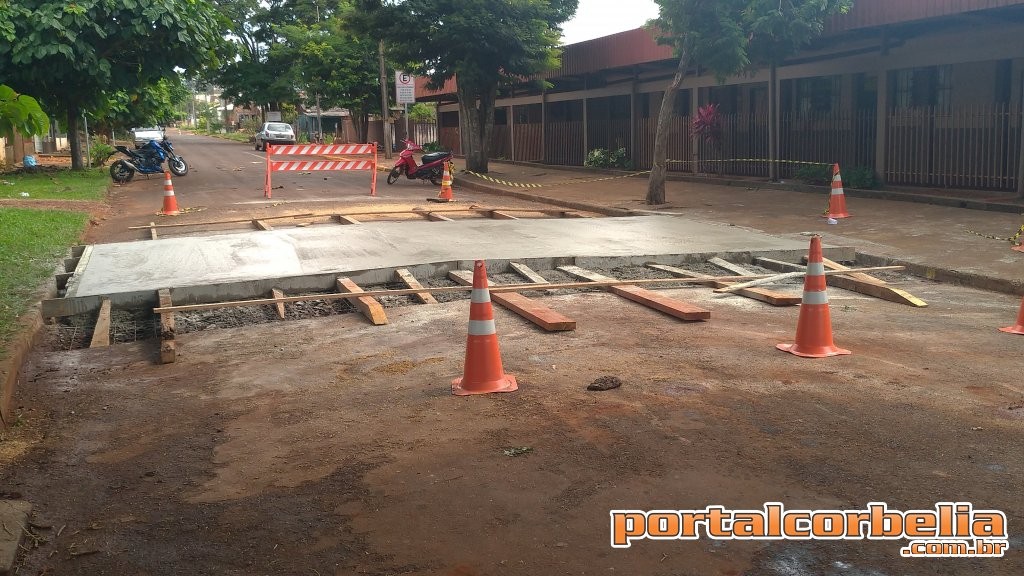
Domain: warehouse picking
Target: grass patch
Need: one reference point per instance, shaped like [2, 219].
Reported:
[31, 244]
[57, 185]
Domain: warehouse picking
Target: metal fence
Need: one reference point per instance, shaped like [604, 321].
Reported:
[964, 147]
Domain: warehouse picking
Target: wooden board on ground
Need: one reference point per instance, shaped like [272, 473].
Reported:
[261, 225]
[651, 299]
[368, 305]
[168, 349]
[847, 282]
[533, 311]
[410, 281]
[435, 217]
[101, 333]
[279, 307]
[152, 231]
[499, 215]
[729, 266]
[761, 294]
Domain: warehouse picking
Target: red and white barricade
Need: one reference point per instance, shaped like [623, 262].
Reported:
[324, 164]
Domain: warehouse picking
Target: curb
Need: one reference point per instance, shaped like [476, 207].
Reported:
[29, 326]
[607, 211]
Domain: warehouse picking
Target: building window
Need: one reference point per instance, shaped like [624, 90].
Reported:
[817, 95]
[923, 87]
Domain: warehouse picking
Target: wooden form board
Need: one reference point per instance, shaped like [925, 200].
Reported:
[761, 294]
[343, 219]
[410, 281]
[261, 225]
[875, 287]
[152, 231]
[279, 307]
[435, 217]
[499, 215]
[533, 311]
[368, 305]
[651, 299]
[168, 349]
[101, 333]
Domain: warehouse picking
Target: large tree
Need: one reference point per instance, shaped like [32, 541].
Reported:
[73, 55]
[483, 44]
[726, 37]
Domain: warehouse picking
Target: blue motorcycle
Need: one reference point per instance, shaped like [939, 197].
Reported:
[149, 159]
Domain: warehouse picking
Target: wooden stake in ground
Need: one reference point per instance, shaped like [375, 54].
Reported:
[101, 333]
[409, 280]
[368, 305]
[280, 305]
[168, 349]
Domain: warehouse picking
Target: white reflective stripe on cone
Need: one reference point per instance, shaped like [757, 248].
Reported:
[168, 192]
[480, 296]
[816, 269]
[837, 192]
[837, 177]
[815, 297]
[481, 327]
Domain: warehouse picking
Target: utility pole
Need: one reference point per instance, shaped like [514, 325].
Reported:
[385, 113]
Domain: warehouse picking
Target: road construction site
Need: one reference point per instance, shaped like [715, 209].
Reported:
[283, 403]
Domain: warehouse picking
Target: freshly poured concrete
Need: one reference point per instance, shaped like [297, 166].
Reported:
[249, 264]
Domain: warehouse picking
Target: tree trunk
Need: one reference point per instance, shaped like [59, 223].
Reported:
[478, 113]
[76, 144]
[656, 182]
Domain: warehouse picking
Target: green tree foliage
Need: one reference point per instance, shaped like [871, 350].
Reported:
[20, 113]
[727, 37]
[484, 44]
[73, 55]
[157, 103]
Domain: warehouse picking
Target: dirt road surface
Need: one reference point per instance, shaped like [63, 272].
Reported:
[329, 446]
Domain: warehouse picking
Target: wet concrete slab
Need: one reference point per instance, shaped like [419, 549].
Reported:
[247, 264]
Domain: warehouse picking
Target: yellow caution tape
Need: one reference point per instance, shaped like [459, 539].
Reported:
[1015, 239]
[751, 160]
[574, 181]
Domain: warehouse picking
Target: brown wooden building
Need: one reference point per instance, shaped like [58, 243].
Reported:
[923, 92]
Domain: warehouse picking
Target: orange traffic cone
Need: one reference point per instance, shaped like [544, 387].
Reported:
[814, 326]
[837, 200]
[446, 186]
[1019, 327]
[170, 202]
[483, 372]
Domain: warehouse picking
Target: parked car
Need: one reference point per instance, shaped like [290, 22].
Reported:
[274, 133]
[142, 136]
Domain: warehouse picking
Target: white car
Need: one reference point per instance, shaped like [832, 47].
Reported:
[142, 136]
[274, 133]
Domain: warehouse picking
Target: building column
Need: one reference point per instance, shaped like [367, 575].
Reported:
[512, 131]
[881, 124]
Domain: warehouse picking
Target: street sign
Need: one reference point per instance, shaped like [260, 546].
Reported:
[405, 88]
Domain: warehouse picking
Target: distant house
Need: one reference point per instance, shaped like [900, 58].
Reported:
[922, 92]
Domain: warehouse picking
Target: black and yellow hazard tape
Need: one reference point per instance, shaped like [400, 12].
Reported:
[549, 184]
[1015, 239]
[750, 160]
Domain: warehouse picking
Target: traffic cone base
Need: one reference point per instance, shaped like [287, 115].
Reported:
[445, 195]
[1018, 328]
[837, 197]
[507, 383]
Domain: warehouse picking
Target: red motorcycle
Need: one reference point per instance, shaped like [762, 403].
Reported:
[431, 165]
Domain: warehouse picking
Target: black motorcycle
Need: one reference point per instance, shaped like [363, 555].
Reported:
[147, 160]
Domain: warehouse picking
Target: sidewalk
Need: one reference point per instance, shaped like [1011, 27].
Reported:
[932, 241]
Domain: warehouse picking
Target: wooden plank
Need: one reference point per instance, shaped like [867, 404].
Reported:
[62, 280]
[832, 265]
[533, 311]
[411, 282]
[58, 307]
[435, 217]
[70, 264]
[344, 219]
[280, 305]
[168, 348]
[369, 306]
[261, 225]
[152, 231]
[571, 214]
[839, 280]
[528, 273]
[761, 294]
[659, 302]
[101, 333]
[729, 266]
[499, 215]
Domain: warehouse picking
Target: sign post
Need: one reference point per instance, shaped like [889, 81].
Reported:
[405, 94]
